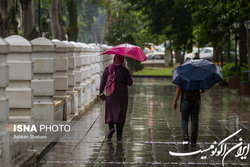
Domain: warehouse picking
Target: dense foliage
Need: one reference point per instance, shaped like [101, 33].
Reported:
[230, 70]
[168, 18]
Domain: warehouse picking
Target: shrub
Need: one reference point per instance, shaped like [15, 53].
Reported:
[170, 63]
[134, 65]
[230, 70]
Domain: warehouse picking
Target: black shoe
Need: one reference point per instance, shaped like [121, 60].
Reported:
[186, 139]
[110, 134]
[193, 144]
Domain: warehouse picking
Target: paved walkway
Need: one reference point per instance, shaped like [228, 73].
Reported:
[152, 129]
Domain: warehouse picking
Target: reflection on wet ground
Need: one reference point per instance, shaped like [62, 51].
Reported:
[152, 129]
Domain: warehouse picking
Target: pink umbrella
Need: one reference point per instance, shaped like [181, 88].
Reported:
[128, 50]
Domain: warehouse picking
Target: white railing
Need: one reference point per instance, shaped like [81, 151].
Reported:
[45, 80]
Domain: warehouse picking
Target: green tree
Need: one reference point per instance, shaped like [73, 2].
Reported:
[214, 20]
[124, 26]
[169, 18]
[44, 18]
[91, 20]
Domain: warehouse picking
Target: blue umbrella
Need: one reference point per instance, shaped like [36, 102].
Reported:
[197, 74]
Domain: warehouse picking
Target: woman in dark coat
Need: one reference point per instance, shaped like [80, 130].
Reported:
[116, 77]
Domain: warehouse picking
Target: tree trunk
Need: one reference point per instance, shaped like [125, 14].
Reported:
[228, 47]
[178, 56]
[242, 44]
[217, 54]
[28, 25]
[8, 23]
[108, 16]
[98, 30]
[182, 56]
[72, 29]
[56, 20]
[167, 56]
[248, 51]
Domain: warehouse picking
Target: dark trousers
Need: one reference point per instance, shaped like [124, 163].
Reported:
[119, 129]
[190, 108]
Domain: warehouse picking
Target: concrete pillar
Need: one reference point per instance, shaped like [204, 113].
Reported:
[60, 76]
[95, 64]
[98, 69]
[84, 84]
[88, 79]
[72, 77]
[20, 76]
[93, 70]
[4, 104]
[43, 82]
[101, 59]
[78, 75]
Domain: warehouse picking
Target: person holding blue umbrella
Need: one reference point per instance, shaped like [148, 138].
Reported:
[193, 78]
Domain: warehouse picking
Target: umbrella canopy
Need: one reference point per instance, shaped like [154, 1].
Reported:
[197, 74]
[127, 50]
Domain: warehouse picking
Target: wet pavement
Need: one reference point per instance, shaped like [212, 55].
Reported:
[152, 129]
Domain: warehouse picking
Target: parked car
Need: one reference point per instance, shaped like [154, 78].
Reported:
[149, 56]
[159, 55]
[146, 50]
[155, 55]
[205, 53]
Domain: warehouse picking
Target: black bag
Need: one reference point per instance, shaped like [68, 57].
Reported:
[102, 96]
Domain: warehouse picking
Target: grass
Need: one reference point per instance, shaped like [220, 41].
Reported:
[166, 71]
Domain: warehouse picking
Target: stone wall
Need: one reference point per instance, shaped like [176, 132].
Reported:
[44, 80]
[4, 103]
